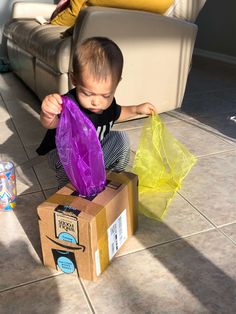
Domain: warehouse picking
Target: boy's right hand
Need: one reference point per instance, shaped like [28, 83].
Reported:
[52, 105]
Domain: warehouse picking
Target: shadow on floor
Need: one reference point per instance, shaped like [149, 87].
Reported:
[39, 297]
[213, 288]
[210, 95]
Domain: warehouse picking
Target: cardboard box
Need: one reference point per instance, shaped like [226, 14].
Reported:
[84, 235]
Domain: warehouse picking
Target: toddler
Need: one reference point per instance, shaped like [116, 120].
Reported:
[97, 69]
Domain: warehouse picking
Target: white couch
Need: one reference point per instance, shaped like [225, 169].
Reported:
[157, 49]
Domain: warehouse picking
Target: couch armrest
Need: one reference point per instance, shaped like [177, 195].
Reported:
[157, 52]
[185, 9]
[32, 9]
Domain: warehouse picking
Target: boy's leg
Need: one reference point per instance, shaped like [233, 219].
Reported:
[116, 150]
[55, 164]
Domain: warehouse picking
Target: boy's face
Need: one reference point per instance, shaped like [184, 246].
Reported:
[94, 95]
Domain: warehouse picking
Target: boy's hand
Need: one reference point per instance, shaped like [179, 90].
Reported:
[146, 108]
[51, 105]
[130, 111]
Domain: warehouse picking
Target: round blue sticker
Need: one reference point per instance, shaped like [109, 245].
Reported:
[65, 265]
[67, 237]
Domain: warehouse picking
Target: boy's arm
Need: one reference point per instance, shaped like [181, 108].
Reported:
[130, 111]
[51, 107]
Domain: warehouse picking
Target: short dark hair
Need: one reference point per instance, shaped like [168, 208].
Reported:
[101, 55]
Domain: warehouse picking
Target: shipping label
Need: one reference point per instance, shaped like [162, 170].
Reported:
[117, 234]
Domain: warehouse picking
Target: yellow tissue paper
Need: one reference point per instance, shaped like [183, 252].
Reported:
[161, 163]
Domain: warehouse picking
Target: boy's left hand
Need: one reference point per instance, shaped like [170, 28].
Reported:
[146, 108]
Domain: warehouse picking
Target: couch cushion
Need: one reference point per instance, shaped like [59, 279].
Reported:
[42, 41]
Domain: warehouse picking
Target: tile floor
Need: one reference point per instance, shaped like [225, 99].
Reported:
[185, 264]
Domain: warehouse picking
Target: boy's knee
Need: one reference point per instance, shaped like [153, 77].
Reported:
[125, 140]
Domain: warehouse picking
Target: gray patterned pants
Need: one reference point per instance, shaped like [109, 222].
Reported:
[116, 152]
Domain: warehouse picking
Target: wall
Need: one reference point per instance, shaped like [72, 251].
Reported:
[217, 29]
[5, 13]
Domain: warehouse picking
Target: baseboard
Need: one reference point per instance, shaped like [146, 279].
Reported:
[214, 55]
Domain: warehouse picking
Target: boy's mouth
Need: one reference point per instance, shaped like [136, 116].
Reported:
[96, 110]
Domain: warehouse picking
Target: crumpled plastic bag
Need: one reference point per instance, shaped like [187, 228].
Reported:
[161, 163]
[79, 150]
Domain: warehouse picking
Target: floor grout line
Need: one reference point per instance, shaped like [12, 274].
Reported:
[168, 242]
[87, 297]
[208, 219]
[217, 153]
[30, 282]
[227, 236]
[227, 224]
[173, 115]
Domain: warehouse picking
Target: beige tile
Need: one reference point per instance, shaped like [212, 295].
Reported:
[230, 231]
[60, 294]
[210, 187]
[8, 81]
[131, 124]
[4, 114]
[8, 135]
[45, 175]
[24, 107]
[181, 220]
[26, 213]
[26, 181]
[50, 192]
[13, 153]
[11, 145]
[194, 141]
[21, 92]
[20, 262]
[186, 276]
[221, 125]
[198, 141]
[26, 120]
[140, 122]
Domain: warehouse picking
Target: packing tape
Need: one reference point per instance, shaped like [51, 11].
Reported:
[101, 224]
[61, 199]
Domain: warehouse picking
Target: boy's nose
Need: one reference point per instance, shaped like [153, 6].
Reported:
[94, 102]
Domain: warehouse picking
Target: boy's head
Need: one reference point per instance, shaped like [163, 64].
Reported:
[101, 57]
[97, 69]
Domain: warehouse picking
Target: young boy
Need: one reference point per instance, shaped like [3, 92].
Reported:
[97, 69]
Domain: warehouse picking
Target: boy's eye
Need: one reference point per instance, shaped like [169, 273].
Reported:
[106, 96]
[87, 94]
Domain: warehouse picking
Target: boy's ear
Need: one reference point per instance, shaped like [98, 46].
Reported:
[73, 79]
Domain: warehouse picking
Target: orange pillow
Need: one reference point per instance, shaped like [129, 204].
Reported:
[68, 16]
[156, 6]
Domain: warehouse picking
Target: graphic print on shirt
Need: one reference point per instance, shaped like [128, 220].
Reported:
[104, 130]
